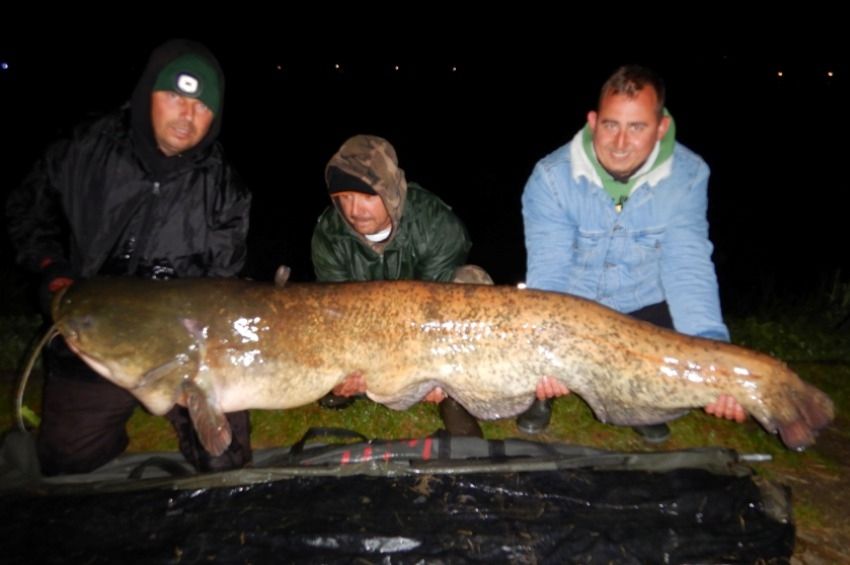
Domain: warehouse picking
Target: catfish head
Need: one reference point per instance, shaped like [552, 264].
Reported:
[128, 337]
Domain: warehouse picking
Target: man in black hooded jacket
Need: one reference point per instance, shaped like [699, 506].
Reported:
[144, 192]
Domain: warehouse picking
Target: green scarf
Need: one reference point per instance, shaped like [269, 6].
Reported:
[620, 191]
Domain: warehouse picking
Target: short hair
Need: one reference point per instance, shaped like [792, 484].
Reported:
[631, 79]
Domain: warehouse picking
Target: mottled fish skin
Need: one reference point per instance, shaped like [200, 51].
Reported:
[252, 345]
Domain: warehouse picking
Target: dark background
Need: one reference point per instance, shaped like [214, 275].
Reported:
[469, 117]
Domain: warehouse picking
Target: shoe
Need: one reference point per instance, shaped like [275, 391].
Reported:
[457, 421]
[336, 402]
[235, 457]
[536, 418]
[655, 433]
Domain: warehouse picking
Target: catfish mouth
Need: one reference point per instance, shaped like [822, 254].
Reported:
[72, 328]
[98, 366]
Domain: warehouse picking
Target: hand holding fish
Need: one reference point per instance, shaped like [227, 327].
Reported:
[436, 396]
[550, 388]
[727, 407]
[352, 384]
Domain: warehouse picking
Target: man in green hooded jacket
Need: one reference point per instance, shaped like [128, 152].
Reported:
[380, 227]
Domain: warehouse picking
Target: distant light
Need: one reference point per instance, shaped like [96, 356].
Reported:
[780, 74]
[280, 67]
[454, 68]
[338, 67]
[395, 67]
[521, 286]
[4, 66]
[830, 74]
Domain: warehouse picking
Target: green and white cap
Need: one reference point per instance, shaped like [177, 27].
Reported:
[193, 76]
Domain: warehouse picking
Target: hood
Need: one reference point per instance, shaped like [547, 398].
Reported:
[140, 107]
[372, 160]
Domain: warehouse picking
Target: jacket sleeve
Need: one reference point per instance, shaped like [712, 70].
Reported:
[229, 231]
[36, 222]
[443, 244]
[687, 272]
[328, 264]
[549, 233]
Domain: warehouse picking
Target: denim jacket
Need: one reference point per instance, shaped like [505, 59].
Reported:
[655, 249]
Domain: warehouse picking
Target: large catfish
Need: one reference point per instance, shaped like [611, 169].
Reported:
[223, 345]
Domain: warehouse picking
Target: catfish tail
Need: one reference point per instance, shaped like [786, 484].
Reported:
[813, 410]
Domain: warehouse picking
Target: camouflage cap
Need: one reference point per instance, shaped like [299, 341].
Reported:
[193, 76]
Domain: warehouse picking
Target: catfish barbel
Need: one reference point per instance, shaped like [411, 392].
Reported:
[221, 345]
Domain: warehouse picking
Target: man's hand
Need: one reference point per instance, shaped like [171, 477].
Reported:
[58, 284]
[351, 385]
[551, 388]
[55, 275]
[436, 396]
[727, 407]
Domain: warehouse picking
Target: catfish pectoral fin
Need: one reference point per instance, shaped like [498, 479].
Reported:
[210, 423]
[155, 375]
[281, 276]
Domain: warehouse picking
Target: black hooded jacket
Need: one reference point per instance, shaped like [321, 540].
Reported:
[107, 201]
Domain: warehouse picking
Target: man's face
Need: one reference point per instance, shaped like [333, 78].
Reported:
[625, 130]
[179, 122]
[365, 212]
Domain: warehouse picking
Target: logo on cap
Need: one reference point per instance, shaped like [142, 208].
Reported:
[188, 84]
[192, 75]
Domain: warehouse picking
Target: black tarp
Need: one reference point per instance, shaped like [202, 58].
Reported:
[429, 500]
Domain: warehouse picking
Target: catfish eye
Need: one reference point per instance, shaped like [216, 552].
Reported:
[82, 323]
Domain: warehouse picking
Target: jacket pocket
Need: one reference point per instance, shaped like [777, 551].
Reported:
[588, 248]
[646, 246]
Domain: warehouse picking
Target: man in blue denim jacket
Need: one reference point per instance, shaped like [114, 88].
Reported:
[618, 215]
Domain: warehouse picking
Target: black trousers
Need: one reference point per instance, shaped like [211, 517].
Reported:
[657, 314]
[84, 418]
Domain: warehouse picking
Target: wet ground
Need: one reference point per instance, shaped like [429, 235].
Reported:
[828, 490]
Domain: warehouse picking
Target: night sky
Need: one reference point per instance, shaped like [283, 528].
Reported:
[469, 124]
